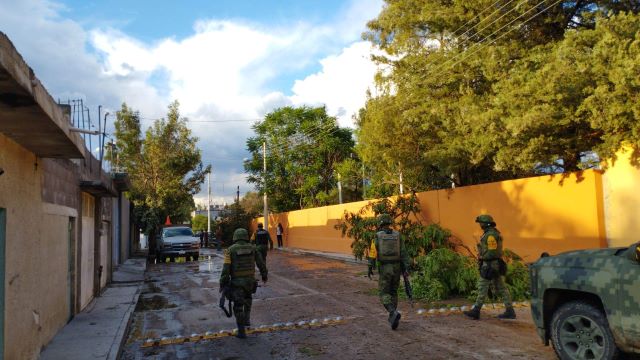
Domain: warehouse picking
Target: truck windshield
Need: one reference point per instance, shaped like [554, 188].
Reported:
[177, 232]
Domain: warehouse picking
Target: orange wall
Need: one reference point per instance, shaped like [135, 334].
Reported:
[548, 213]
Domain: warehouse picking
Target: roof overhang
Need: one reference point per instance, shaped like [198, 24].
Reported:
[121, 181]
[28, 114]
[97, 188]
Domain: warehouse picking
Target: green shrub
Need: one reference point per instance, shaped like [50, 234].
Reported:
[444, 273]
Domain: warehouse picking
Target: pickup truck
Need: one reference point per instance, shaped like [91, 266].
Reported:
[176, 241]
[587, 303]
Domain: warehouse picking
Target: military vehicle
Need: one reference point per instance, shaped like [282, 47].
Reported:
[587, 303]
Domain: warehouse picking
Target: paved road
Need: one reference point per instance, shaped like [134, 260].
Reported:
[182, 298]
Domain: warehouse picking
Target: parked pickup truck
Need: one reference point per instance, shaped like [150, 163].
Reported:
[587, 303]
[178, 241]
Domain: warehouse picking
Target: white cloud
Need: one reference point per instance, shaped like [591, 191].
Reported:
[342, 83]
[223, 71]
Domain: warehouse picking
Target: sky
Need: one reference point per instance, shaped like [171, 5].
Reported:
[228, 62]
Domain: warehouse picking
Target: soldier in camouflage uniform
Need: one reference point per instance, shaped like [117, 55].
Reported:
[263, 241]
[237, 276]
[389, 252]
[492, 269]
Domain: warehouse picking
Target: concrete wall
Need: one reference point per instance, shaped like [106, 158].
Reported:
[549, 213]
[125, 229]
[87, 247]
[36, 288]
[622, 200]
[104, 253]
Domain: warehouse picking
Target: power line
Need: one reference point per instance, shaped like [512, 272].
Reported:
[464, 55]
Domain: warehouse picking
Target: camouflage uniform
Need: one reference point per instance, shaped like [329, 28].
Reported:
[490, 256]
[263, 241]
[238, 272]
[389, 252]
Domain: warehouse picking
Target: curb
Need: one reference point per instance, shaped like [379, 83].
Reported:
[123, 329]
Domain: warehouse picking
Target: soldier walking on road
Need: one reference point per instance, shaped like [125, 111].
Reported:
[263, 241]
[389, 252]
[237, 280]
[492, 269]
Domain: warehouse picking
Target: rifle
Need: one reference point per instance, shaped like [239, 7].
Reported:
[407, 288]
[224, 295]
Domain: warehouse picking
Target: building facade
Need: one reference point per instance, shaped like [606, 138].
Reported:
[57, 211]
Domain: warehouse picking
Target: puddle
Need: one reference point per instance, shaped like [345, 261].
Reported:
[156, 302]
[208, 264]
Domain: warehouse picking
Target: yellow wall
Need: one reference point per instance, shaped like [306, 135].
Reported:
[549, 213]
[36, 295]
[622, 200]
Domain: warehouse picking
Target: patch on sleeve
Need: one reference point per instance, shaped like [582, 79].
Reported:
[638, 252]
[492, 243]
[227, 257]
[373, 252]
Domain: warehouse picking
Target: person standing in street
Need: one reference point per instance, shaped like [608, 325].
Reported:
[279, 231]
[237, 280]
[388, 251]
[263, 241]
[492, 269]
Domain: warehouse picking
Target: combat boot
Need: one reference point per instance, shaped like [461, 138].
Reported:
[474, 313]
[509, 313]
[247, 318]
[394, 319]
[242, 334]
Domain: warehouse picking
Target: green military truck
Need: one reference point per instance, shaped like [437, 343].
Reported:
[587, 303]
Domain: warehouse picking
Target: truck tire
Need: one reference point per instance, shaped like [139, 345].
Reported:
[580, 331]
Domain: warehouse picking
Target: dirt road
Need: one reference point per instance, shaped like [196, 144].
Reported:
[182, 299]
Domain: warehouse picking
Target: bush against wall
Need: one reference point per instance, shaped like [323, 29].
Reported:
[419, 239]
[443, 266]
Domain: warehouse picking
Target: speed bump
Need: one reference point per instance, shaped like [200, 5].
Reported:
[212, 335]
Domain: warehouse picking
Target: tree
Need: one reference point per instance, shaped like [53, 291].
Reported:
[480, 93]
[251, 203]
[165, 167]
[304, 145]
[199, 223]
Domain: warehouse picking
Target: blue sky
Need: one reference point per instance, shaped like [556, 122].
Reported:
[222, 60]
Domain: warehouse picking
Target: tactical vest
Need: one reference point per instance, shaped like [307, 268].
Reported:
[491, 245]
[262, 237]
[388, 246]
[243, 261]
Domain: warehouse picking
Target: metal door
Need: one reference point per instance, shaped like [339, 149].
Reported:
[3, 227]
[71, 271]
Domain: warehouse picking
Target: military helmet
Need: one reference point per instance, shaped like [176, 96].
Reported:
[240, 234]
[384, 219]
[485, 219]
[260, 226]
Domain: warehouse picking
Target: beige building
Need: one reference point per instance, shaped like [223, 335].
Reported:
[57, 211]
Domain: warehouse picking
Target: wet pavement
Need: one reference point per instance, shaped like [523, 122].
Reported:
[182, 299]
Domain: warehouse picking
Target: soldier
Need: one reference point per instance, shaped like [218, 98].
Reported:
[237, 278]
[389, 252]
[263, 241]
[492, 269]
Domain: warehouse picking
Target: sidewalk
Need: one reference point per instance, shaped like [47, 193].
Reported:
[329, 255]
[99, 330]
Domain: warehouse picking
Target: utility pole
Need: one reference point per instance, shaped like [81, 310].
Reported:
[339, 190]
[209, 203]
[401, 187]
[238, 194]
[264, 185]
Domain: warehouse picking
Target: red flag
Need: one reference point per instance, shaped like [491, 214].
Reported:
[168, 221]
